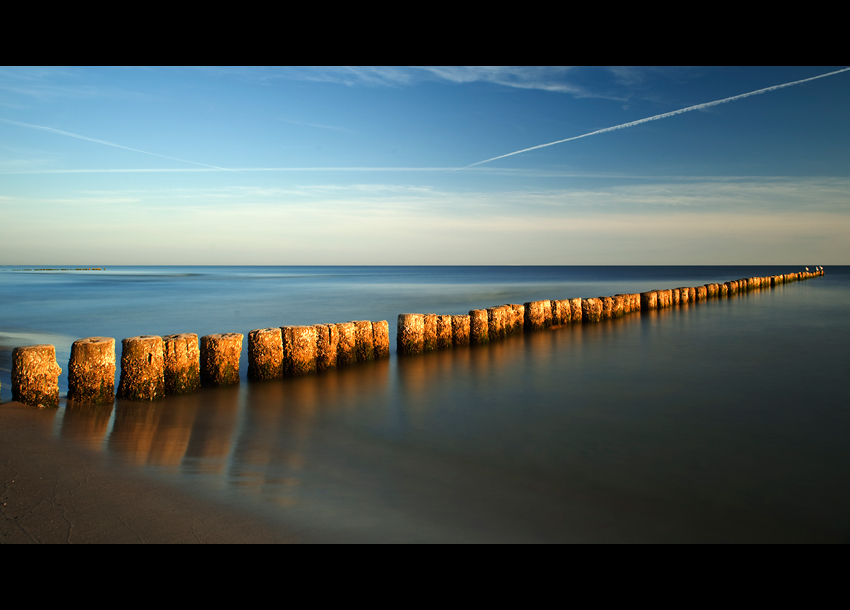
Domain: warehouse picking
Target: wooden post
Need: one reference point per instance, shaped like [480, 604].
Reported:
[142, 368]
[91, 371]
[220, 354]
[300, 345]
[410, 335]
[648, 300]
[380, 338]
[35, 375]
[345, 349]
[327, 346]
[363, 341]
[265, 354]
[181, 356]
[460, 330]
[478, 327]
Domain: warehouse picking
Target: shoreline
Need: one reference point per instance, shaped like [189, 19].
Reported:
[54, 492]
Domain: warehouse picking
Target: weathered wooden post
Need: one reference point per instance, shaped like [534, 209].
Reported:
[591, 310]
[444, 331]
[410, 334]
[648, 300]
[518, 317]
[607, 307]
[380, 338]
[327, 344]
[300, 345]
[535, 315]
[346, 348]
[701, 293]
[265, 354]
[220, 355]
[478, 327]
[181, 356]
[363, 341]
[460, 330]
[142, 368]
[496, 323]
[91, 371]
[430, 332]
[35, 375]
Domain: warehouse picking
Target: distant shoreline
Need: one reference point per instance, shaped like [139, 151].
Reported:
[64, 269]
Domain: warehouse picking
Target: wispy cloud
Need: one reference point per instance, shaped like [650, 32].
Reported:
[105, 143]
[662, 116]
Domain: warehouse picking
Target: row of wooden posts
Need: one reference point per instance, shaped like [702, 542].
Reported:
[418, 333]
[153, 367]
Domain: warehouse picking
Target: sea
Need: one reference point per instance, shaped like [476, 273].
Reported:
[726, 420]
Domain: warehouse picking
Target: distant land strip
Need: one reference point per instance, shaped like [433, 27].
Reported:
[65, 269]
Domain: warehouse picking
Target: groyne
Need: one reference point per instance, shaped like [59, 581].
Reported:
[420, 333]
[153, 367]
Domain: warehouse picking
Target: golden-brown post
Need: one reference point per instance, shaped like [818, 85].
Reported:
[575, 311]
[35, 375]
[460, 330]
[444, 331]
[430, 332]
[495, 323]
[91, 371]
[410, 334]
[300, 347]
[478, 327]
[607, 307]
[142, 368]
[591, 310]
[327, 344]
[220, 354]
[265, 354]
[345, 350]
[181, 363]
[648, 300]
[535, 316]
[363, 345]
[518, 317]
[381, 338]
[701, 293]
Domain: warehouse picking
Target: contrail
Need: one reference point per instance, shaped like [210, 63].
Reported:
[75, 135]
[662, 116]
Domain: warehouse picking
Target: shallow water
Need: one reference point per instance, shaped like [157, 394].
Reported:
[724, 420]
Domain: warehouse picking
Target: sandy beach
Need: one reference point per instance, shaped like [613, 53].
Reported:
[54, 492]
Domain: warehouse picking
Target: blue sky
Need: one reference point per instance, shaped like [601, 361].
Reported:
[363, 165]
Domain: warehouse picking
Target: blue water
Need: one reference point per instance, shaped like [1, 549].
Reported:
[718, 421]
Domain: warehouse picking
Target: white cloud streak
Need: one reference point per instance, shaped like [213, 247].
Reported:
[88, 139]
[663, 116]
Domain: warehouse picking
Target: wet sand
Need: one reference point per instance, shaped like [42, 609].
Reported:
[54, 492]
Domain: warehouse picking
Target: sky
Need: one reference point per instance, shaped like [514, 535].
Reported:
[414, 165]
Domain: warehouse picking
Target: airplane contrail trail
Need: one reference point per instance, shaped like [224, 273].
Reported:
[75, 135]
[662, 116]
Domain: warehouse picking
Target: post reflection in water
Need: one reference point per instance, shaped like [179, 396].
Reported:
[665, 425]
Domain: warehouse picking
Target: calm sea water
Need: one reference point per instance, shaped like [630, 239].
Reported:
[725, 420]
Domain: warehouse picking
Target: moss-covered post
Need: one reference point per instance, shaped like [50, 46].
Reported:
[91, 371]
[591, 310]
[35, 375]
[265, 354]
[220, 354]
[142, 368]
